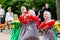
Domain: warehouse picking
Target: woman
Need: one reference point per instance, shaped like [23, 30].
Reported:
[9, 17]
[15, 28]
[29, 30]
[47, 26]
[2, 13]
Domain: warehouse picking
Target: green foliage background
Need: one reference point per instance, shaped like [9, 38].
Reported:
[16, 4]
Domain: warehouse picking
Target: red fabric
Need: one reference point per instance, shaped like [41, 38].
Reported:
[29, 16]
[28, 19]
[43, 24]
[36, 20]
[26, 12]
[50, 24]
[21, 18]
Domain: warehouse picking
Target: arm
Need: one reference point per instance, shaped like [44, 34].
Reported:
[36, 20]
[21, 19]
[51, 23]
[42, 25]
[45, 27]
[38, 14]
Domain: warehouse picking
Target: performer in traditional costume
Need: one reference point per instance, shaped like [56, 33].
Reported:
[29, 29]
[57, 29]
[47, 26]
[15, 28]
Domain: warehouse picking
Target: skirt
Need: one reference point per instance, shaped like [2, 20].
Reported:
[29, 31]
[48, 34]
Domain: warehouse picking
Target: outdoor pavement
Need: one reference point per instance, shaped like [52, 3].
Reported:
[5, 36]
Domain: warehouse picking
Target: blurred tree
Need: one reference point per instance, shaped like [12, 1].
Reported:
[2, 2]
[16, 4]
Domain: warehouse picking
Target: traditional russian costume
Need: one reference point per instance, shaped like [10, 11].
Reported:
[15, 29]
[47, 28]
[29, 29]
[56, 29]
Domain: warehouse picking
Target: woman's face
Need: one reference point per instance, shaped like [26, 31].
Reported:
[23, 9]
[15, 17]
[46, 16]
[9, 9]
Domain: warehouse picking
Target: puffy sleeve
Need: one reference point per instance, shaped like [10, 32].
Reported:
[42, 25]
[21, 19]
[25, 21]
[51, 23]
[28, 19]
[36, 20]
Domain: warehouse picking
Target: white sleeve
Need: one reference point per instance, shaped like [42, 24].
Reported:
[6, 18]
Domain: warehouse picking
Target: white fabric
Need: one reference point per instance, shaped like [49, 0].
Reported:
[2, 12]
[32, 12]
[9, 16]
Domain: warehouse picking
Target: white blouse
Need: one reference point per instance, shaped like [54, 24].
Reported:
[9, 16]
[2, 12]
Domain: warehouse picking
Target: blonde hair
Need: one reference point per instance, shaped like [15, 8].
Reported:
[23, 8]
[15, 15]
[8, 8]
